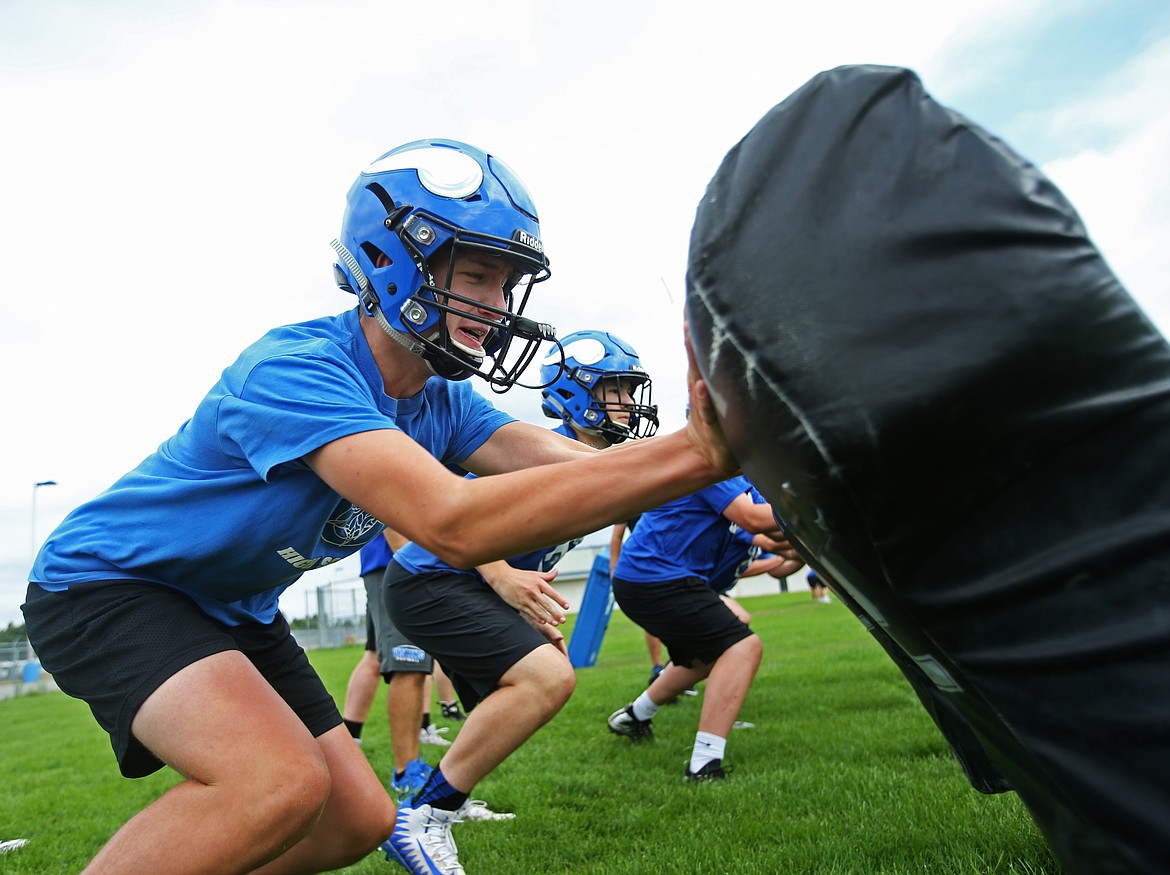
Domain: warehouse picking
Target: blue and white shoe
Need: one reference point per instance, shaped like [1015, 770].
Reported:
[422, 841]
[414, 776]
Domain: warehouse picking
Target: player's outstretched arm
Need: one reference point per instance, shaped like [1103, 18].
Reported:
[471, 522]
[468, 522]
[752, 517]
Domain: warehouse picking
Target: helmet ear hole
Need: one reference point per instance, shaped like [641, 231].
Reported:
[377, 257]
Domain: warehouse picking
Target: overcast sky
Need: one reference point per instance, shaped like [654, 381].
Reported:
[172, 171]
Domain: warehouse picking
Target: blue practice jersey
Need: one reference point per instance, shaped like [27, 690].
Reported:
[682, 538]
[418, 560]
[376, 555]
[226, 510]
[737, 553]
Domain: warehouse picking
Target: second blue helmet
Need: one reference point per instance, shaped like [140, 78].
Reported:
[590, 358]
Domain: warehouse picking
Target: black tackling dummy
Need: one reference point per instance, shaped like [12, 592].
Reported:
[963, 422]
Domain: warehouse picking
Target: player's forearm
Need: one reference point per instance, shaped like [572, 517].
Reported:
[472, 522]
[760, 521]
[508, 514]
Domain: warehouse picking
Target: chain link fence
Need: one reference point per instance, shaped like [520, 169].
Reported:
[339, 618]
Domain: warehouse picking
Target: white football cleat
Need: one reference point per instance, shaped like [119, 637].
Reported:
[422, 841]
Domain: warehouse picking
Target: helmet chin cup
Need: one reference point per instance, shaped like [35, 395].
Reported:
[510, 343]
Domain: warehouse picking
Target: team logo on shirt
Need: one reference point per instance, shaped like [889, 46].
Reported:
[350, 526]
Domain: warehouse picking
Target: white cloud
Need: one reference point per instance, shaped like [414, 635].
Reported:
[1123, 191]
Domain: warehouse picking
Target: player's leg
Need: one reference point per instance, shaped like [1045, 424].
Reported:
[255, 779]
[253, 792]
[706, 639]
[727, 685]
[405, 667]
[361, 689]
[654, 607]
[363, 683]
[481, 641]
[357, 817]
[529, 694]
[358, 814]
[173, 686]
[674, 680]
[736, 608]
[404, 708]
[654, 648]
[733, 652]
[428, 732]
[506, 673]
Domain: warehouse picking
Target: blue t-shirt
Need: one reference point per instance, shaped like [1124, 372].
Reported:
[226, 510]
[418, 560]
[737, 553]
[375, 556]
[682, 538]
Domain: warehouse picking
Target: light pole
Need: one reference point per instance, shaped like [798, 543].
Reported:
[32, 550]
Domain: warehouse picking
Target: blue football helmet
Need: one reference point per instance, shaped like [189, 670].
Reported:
[432, 195]
[584, 361]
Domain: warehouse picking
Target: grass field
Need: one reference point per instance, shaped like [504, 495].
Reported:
[843, 774]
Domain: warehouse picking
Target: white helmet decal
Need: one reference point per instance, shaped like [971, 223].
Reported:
[586, 350]
[443, 172]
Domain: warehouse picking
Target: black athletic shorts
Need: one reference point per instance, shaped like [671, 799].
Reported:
[690, 617]
[113, 643]
[458, 619]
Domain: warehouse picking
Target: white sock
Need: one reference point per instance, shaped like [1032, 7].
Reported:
[707, 747]
[644, 707]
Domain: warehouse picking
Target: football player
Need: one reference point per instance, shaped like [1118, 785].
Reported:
[494, 628]
[157, 601]
[667, 580]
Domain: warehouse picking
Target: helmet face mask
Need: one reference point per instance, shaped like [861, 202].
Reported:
[432, 204]
[578, 388]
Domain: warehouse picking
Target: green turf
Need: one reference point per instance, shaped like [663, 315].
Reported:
[843, 774]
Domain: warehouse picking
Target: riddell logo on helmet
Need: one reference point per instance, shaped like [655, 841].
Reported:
[528, 240]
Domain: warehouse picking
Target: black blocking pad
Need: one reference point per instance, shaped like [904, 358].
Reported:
[962, 420]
